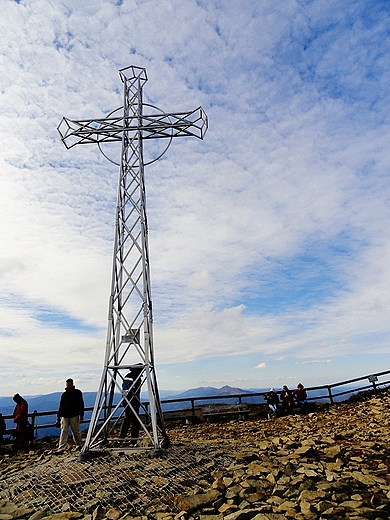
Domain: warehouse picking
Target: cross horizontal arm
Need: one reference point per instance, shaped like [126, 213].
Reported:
[110, 129]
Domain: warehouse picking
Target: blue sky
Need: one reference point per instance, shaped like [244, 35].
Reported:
[269, 240]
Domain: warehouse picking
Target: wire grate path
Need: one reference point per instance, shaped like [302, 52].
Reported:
[124, 481]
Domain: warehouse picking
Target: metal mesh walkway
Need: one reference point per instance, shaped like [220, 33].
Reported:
[127, 481]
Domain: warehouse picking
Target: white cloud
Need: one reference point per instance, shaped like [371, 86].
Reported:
[315, 361]
[269, 238]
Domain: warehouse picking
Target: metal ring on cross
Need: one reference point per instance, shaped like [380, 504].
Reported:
[160, 154]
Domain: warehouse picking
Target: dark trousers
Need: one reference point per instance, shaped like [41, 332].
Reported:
[21, 436]
[131, 419]
[287, 407]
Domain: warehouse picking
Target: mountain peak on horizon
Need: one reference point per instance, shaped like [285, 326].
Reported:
[202, 391]
[231, 390]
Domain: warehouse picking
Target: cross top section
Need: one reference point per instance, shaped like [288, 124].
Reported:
[131, 118]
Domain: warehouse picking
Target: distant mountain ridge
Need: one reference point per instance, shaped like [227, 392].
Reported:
[209, 391]
[50, 402]
[203, 395]
[42, 403]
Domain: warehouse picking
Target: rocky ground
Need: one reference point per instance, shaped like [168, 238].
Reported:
[330, 464]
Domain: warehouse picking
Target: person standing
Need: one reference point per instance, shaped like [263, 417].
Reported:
[131, 389]
[70, 414]
[20, 418]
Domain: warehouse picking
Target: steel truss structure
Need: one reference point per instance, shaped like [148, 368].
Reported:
[129, 345]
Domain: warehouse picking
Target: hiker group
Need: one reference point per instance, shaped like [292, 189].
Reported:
[71, 411]
[288, 400]
[70, 414]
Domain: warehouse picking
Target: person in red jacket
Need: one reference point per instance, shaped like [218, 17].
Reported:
[300, 397]
[287, 398]
[20, 417]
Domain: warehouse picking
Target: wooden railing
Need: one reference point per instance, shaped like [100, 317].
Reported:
[331, 392]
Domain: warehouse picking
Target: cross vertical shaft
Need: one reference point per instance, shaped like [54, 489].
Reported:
[129, 344]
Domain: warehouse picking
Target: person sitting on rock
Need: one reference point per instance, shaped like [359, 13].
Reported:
[287, 399]
[300, 397]
[272, 401]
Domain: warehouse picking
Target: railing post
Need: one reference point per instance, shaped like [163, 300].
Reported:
[34, 429]
[330, 395]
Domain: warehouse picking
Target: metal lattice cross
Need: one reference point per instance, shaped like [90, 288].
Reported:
[129, 348]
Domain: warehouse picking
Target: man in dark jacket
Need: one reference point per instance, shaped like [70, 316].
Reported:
[70, 413]
[131, 389]
[20, 417]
